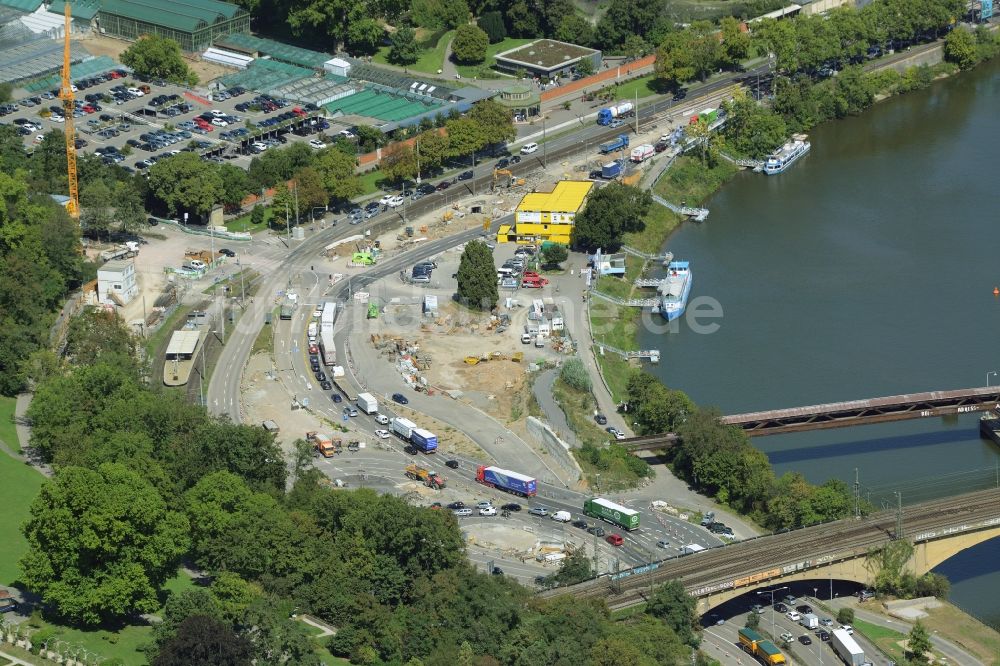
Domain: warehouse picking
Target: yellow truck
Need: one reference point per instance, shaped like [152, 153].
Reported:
[425, 476]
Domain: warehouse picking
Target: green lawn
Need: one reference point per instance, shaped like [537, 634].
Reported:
[264, 342]
[369, 182]
[8, 433]
[691, 182]
[660, 223]
[242, 223]
[579, 406]
[886, 639]
[19, 487]
[470, 71]
[616, 371]
[644, 86]
[158, 339]
[430, 59]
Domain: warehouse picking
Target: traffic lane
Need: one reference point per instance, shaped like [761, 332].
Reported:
[524, 572]
[720, 642]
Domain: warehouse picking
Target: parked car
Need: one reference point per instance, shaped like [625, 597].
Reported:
[456, 505]
[487, 511]
[601, 419]
[538, 511]
[463, 513]
[452, 464]
[399, 398]
[511, 506]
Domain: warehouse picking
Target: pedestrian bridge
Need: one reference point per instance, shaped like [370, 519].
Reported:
[845, 414]
[939, 530]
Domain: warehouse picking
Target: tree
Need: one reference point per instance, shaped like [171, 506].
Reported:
[634, 47]
[96, 216]
[674, 63]
[469, 45]
[477, 277]
[655, 408]
[403, 48]
[204, 640]
[845, 615]
[257, 215]
[310, 189]
[130, 214]
[158, 57]
[496, 124]
[554, 254]
[960, 48]
[432, 147]
[186, 183]
[439, 14]
[399, 162]
[364, 35]
[101, 544]
[235, 185]
[751, 128]
[6, 92]
[465, 136]
[887, 564]
[612, 211]
[575, 29]
[752, 621]
[337, 171]
[492, 24]
[918, 644]
[678, 609]
[100, 335]
[283, 206]
[735, 40]
[370, 138]
[522, 20]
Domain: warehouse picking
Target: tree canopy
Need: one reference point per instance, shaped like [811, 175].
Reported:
[611, 211]
[403, 48]
[158, 57]
[477, 277]
[469, 45]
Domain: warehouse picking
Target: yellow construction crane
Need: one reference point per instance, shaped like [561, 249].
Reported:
[66, 94]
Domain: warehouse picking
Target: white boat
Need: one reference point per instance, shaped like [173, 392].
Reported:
[786, 155]
[674, 290]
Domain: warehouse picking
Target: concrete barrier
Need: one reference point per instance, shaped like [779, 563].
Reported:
[556, 448]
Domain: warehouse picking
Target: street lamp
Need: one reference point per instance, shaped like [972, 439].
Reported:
[771, 592]
[988, 374]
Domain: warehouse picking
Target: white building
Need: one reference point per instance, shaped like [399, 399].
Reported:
[116, 282]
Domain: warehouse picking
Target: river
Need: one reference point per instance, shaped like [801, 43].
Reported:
[865, 270]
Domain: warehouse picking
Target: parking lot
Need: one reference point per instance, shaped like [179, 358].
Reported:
[157, 119]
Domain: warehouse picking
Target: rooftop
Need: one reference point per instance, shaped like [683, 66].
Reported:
[184, 15]
[116, 266]
[545, 53]
[294, 55]
[183, 342]
[566, 197]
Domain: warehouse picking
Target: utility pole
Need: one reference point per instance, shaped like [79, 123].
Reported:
[288, 225]
[545, 147]
[296, 203]
[899, 515]
[637, 112]
[857, 496]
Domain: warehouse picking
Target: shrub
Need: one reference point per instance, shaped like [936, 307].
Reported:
[574, 373]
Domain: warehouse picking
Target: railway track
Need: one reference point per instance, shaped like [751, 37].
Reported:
[737, 565]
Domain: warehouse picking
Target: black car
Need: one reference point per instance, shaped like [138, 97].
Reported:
[453, 464]
[601, 419]
[804, 608]
[372, 205]
[805, 640]
[321, 376]
[443, 185]
[780, 607]
[582, 524]
[465, 175]
[824, 635]
[596, 530]
[680, 94]
[410, 450]
[497, 571]
[512, 506]
[336, 397]
[226, 251]
[425, 188]
[152, 221]
[315, 367]
[326, 386]
[400, 398]
[515, 159]
[503, 163]
[456, 505]
[594, 175]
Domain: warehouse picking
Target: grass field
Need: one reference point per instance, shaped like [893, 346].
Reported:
[886, 639]
[430, 60]
[690, 182]
[644, 86]
[19, 487]
[242, 223]
[158, 339]
[369, 182]
[264, 342]
[8, 433]
[470, 71]
[660, 223]
[579, 406]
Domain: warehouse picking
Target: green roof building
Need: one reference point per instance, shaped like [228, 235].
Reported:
[194, 24]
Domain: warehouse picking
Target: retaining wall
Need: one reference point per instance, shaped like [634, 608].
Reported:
[556, 448]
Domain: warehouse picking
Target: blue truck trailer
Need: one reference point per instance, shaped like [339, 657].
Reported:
[618, 144]
[504, 479]
[424, 440]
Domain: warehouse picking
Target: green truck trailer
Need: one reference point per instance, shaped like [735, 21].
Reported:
[622, 516]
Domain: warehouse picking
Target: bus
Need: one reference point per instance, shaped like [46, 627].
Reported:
[623, 517]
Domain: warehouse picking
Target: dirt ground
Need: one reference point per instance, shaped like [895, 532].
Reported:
[100, 45]
[450, 440]
[264, 398]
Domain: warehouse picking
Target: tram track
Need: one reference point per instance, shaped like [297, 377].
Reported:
[748, 562]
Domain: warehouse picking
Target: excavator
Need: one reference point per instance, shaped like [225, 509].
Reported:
[511, 181]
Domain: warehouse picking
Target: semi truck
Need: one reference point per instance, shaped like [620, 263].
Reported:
[847, 648]
[642, 153]
[616, 144]
[611, 170]
[622, 516]
[403, 427]
[367, 403]
[126, 250]
[708, 115]
[425, 476]
[504, 479]
[424, 440]
[760, 647]
[619, 110]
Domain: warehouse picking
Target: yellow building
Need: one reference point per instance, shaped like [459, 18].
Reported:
[547, 216]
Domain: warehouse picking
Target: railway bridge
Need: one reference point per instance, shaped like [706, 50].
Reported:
[844, 414]
[938, 530]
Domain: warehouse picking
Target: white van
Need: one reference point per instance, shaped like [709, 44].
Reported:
[529, 148]
[526, 338]
[562, 516]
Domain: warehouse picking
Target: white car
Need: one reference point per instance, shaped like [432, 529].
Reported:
[217, 113]
[384, 201]
[488, 511]
[133, 91]
[396, 202]
[347, 134]
[382, 434]
[259, 146]
[317, 313]
[219, 122]
[57, 118]
[793, 616]
[461, 513]
[529, 148]
[317, 144]
[848, 628]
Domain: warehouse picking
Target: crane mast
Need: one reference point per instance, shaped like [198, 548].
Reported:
[66, 94]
